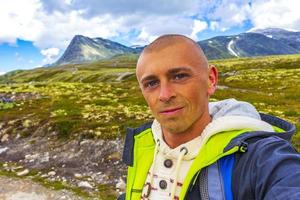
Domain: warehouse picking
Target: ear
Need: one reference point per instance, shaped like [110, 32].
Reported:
[212, 80]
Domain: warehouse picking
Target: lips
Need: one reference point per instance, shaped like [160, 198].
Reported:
[171, 111]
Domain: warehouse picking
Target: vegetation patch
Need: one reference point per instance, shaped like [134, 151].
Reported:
[88, 100]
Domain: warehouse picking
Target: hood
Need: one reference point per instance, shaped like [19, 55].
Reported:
[227, 115]
[232, 107]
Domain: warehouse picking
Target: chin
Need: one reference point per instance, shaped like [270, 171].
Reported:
[174, 128]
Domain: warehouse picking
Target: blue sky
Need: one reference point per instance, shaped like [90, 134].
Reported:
[36, 32]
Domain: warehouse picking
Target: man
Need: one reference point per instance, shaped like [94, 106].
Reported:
[197, 150]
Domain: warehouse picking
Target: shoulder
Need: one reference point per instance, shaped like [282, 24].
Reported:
[129, 142]
[269, 163]
[272, 147]
[268, 152]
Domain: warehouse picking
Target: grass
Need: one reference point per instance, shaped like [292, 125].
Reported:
[86, 100]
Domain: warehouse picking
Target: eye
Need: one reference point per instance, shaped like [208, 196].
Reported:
[151, 84]
[180, 76]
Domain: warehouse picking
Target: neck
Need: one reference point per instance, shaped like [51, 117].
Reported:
[175, 139]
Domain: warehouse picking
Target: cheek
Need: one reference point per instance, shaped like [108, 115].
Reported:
[150, 100]
[197, 98]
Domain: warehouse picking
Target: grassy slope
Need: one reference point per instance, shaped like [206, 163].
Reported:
[86, 100]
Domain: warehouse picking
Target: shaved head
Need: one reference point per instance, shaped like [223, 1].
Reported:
[169, 40]
[172, 42]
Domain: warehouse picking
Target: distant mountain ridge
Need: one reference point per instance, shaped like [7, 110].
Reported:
[84, 49]
[260, 42]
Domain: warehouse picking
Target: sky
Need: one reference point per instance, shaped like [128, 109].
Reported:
[36, 32]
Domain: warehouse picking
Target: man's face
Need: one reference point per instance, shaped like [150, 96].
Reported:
[175, 86]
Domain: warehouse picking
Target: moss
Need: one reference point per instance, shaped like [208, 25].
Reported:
[92, 108]
[291, 113]
[107, 192]
[4, 106]
[65, 128]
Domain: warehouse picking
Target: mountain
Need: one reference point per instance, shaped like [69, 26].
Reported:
[260, 42]
[292, 38]
[84, 49]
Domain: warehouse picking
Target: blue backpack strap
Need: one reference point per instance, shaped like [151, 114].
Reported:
[215, 183]
[226, 165]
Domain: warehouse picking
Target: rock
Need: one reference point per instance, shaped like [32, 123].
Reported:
[31, 157]
[78, 176]
[44, 175]
[16, 168]
[23, 173]
[18, 136]
[85, 184]
[2, 150]
[51, 173]
[121, 185]
[45, 158]
[5, 138]
[84, 142]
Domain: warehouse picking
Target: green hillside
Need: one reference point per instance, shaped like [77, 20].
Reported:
[99, 100]
[102, 98]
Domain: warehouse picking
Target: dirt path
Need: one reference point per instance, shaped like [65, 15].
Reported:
[24, 189]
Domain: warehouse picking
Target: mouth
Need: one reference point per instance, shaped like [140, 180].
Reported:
[171, 111]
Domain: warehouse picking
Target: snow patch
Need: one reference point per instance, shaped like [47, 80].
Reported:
[229, 47]
[269, 36]
[210, 41]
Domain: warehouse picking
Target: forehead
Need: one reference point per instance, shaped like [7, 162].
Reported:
[172, 57]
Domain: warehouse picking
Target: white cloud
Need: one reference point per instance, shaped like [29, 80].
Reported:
[50, 55]
[53, 23]
[198, 27]
[280, 14]
[136, 7]
[214, 25]
[229, 13]
[19, 19]
[2, 73]
[152, 27]
[225, 14]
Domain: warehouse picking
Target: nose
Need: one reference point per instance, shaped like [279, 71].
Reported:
[166, 92]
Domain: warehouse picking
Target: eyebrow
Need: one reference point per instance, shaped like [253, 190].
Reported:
[178, 69]
[169, 72]
[147, 78]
